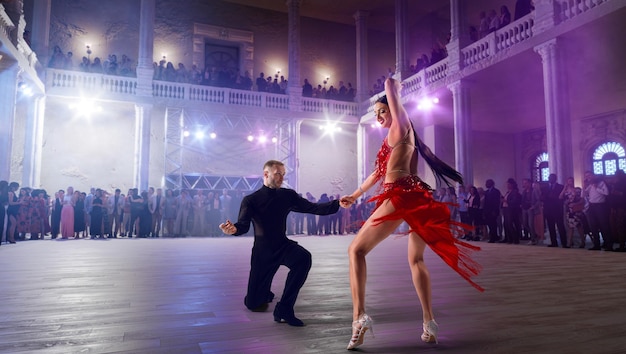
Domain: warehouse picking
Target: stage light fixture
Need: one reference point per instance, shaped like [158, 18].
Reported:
[427, 103]
[186, 133]
[213, 135]
[250, 138]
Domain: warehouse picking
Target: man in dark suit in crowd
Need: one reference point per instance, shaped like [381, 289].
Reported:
[492, 209]
[267, 209]
[553, 211]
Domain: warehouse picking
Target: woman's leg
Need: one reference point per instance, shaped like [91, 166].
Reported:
[368, 237]
[420, 274]
[11, 231]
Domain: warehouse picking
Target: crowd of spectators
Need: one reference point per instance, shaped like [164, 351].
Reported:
[492, 21]
[111, 66]
[32, 214]
[597, 211]
[343, 93]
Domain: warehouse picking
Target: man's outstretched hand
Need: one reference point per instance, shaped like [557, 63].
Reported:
[228, 228]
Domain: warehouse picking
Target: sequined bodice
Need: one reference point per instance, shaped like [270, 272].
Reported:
[381, 159]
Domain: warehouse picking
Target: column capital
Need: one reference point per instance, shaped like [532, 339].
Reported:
[458, 85]
[546, 49]
[361, 15]
[290, 3]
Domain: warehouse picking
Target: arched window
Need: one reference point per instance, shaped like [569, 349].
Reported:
[608, 158]
[540, 170]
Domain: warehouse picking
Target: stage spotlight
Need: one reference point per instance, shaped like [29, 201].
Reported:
[427, 103]
[274, 140]
[199, 134]
[25, 89]
[85, 107]
[186, 133]
[262, 139]
[213, 135]
[250, 138]
[330, 128]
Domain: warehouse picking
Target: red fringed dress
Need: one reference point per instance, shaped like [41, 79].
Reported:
[430, 219]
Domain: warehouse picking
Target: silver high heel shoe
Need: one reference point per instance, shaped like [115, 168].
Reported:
[358, 332]
[430, 332]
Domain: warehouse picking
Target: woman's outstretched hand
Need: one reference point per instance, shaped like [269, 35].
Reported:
[346, 201]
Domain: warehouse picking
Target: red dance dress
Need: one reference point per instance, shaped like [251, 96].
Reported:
[430, 219]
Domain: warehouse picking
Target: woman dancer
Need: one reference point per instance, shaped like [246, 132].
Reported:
[405, 197]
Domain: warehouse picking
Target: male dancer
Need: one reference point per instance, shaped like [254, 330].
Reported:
[267, 209]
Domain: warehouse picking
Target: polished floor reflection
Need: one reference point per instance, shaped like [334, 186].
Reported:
[186, 296]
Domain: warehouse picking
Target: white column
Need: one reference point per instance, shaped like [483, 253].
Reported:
[294, 88]
[558, 126]
[362, 80]
[402, 33]
[462, 131]
[33, 141]
[143, 118]
[362, 158]
[143, 109]
[459, 35]
[8, 93]
[40, 35]
[545, 16]
[145, 70]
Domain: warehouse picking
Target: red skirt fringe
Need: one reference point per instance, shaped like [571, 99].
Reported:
[430, 219]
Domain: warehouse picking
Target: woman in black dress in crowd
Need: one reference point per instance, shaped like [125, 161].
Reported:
[79, 215]
[145, 217]
[4, 200]
[96, 215]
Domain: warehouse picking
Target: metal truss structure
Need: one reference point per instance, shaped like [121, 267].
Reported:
[177, 120]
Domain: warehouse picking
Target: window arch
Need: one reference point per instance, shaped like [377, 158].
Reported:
[540, 170]
[608, 158]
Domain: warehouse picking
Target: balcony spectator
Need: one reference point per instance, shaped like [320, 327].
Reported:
[111, 65]
[523, 8]
[170, 73]
[505, 16]
[195, 75]
[246, 81]
[483, 29]
[275, 86]
[57, 59]
[182, 75]
[351, 93]
[494, 21]
[307, 89]
[85, 65]
[68, 61]
[96, 66]
[261, 84]
[126, 68]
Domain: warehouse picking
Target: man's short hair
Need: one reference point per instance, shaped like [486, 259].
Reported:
[271, 163]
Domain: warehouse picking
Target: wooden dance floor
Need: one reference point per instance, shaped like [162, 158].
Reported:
[186, 296]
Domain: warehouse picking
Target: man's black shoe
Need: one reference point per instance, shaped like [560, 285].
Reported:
[260, 308]
[282, 316]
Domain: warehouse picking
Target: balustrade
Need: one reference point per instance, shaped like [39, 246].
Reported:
[500, 40]
[569, 9]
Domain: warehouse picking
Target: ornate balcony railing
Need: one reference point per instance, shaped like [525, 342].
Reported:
[77, 82]
[473, 57]
[568, 9]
